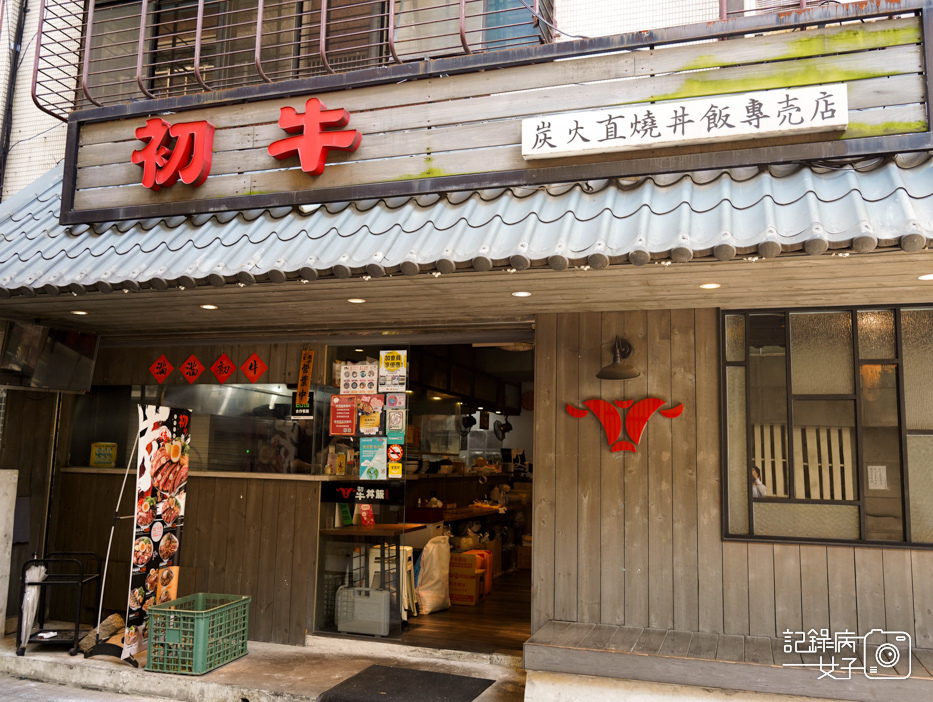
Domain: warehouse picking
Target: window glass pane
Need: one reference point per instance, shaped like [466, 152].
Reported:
[247, 428]
[112, 65]
[825, 465]
[241, 428]
[876, 334]
[738, 460]
[881, 453]
[920, 467]
[807, 521]
[735, 337]
[821, 353]
[917, 331]
[767, 402]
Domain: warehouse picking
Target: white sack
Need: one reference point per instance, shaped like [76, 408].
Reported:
[433, 581]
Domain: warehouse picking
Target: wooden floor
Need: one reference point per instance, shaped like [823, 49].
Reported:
[711, 660]
[499, 624]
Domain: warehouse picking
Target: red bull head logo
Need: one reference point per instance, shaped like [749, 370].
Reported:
[636, 419]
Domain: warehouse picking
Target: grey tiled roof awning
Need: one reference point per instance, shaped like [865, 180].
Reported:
[749, 212]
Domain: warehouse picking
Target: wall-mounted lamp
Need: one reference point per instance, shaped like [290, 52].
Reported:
[617, 370]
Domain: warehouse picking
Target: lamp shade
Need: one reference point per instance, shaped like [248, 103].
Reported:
[618, 370]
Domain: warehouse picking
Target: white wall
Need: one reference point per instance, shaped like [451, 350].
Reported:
[595, 19]
[37, 141]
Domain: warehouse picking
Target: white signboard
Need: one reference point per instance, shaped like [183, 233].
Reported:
[768, 113]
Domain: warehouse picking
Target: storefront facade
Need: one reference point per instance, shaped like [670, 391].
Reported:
[638, 527]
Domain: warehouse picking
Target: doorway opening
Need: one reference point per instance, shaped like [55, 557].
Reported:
[457, 509]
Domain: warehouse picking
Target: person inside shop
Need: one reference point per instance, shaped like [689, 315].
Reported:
[758, 487]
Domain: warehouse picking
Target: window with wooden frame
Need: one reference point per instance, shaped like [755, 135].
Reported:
[828, 424]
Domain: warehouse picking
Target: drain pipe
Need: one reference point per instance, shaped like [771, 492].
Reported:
[15, 52]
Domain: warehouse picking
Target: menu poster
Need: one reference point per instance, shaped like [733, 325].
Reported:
[392, 371]
[373, 464]
[357, 378]
[342, 415]
[161, 487]
[370, 414]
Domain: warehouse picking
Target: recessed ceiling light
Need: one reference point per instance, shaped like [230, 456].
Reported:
[710, 286]
[356, 300]
[928, 276]
[208, 307]
[436, 397]
[521, 293]
[358, 350]
[79, 312]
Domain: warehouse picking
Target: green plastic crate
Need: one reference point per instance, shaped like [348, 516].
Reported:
[194, 635]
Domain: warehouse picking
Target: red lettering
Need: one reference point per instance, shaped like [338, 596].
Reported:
[189, 158]
[311, 142]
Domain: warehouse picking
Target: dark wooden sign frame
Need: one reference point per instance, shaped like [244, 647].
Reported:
[645, 163]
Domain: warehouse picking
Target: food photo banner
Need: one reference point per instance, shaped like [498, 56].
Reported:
[161, 480]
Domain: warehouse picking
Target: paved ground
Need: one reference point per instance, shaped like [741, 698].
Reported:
[16, 689]
[269, 673]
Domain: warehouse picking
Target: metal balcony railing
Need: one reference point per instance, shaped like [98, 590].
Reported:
[110, 52]
[113, 52]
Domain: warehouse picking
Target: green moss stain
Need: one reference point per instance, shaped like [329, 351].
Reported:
[429, 172]
[851, 40]
[814, 43]
[773, 76]
[863, 129]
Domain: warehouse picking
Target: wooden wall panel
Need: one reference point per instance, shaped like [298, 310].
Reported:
[709, 529]
[251, 544]
[869, 589]
[265, 587]
[29, 419]
[684, 478]
[814, 583]
[660, 560]
[657, 443]
[544, 486]
[735, 600]
[284, 555]
[761, 590]
[567, 462]
[636, 485]
[898, 592]
[788, 604]
[611, 496]
[590, 443]
[840, 575]
[922, 569]
[229, 544]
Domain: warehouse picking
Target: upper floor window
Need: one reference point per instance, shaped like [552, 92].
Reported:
[829, 424]
[122, 51]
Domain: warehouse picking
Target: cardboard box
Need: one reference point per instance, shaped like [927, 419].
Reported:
[485, 558]
[467, 562]
[524, 556]
[466, 588]
[467, 577]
